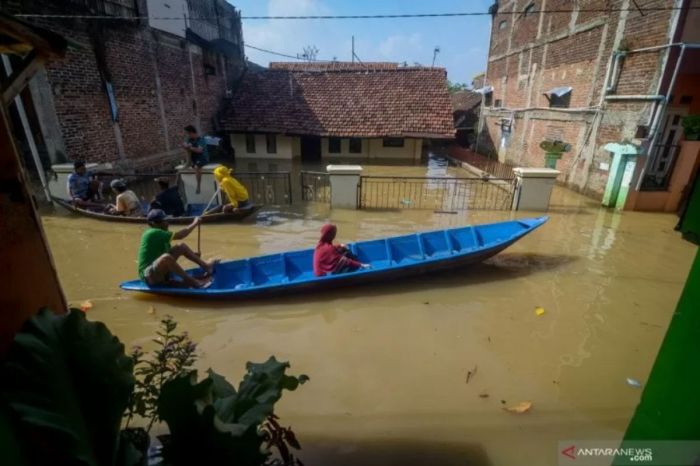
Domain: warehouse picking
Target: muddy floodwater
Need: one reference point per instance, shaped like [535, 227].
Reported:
[389, 362]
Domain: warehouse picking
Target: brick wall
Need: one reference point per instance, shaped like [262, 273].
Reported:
[536, 53]
[135, 57]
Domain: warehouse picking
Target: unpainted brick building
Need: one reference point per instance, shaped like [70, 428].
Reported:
[587, 72]
[130, 82]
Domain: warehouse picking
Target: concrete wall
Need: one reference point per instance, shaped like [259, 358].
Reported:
[687, 164]
[287, 147]
[535, 53]
[168, 9]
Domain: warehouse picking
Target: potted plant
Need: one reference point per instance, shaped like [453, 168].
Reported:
[553, 150]
[691, 127]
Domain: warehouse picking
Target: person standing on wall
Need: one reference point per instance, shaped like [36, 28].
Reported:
[196, 146]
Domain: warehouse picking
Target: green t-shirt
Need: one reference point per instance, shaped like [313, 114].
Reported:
[154, 243]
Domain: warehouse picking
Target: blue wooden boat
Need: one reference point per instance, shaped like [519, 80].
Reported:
[398, 256]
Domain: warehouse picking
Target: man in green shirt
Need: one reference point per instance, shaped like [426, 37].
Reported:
[157, 259]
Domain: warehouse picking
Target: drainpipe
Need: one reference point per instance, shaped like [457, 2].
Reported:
[636, 97]
[611, 79]
[28, 133]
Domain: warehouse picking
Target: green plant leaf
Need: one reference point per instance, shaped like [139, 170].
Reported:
[68, 381]
[220, 386]
[257, 394]
[211, 418]
[198, 436]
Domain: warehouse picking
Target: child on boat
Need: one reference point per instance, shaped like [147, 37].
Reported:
[332, 259]
[157, 259]
[235, 191]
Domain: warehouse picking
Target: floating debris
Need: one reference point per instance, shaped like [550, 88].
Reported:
[520, 408]
[86, 305]
[483, 395]
[539, 311]
[152, 310]
[634, 382]
[471, 373]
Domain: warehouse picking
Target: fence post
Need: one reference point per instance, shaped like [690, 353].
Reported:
[344, 181]
[533, 188]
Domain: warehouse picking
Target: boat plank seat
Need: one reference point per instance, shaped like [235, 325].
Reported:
[405, 249]
[374, 252]
[299, 265]
[435, 244]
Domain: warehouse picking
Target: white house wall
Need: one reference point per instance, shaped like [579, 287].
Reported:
[407, 152]
[289, 147]
[285, 147]
[344, 150]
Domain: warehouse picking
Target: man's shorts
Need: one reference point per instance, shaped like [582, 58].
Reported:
[153, 277]
[198, 160]
[244, 204]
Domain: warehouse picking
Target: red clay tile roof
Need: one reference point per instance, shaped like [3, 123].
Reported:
[465, 100]
[332, 65]
[403, 102]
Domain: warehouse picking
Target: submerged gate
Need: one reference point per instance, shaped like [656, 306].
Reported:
[438, 194]
[267, 188]
[315, 186]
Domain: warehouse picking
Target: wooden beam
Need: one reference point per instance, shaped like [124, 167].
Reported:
[29, 281]
[47, 43]
[21, 77]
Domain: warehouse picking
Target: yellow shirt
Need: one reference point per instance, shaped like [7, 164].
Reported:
[234, 190]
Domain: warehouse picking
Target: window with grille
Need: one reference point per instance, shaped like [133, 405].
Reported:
[334, 145]
[250, 143]
[271, 141]
[355, 145]
[392, 142]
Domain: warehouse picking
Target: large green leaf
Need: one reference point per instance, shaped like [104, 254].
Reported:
[257, 394]
[197, 435]
[212, 423]
[68, 382]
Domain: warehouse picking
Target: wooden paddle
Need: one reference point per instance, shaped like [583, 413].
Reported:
[199, 227]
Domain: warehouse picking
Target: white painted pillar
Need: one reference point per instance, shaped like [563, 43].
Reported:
[345, 181]
[533, 188]
[58, 184]
[189, 183]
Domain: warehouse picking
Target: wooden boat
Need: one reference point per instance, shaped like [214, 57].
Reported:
[399, 256]
[186, 219]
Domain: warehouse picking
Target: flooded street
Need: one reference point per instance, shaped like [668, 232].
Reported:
[388, 363]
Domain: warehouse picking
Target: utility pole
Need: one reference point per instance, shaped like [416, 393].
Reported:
[353, 49]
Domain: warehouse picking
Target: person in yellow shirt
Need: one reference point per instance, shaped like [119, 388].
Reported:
[235, 191]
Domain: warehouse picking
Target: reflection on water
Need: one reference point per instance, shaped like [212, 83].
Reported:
[388, 363]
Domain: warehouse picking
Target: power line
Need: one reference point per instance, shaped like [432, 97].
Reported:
[389, 16]
[272, 52]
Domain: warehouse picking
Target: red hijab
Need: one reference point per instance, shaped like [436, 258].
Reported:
[328, 232]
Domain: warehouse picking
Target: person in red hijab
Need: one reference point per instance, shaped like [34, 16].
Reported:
[332, 259]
